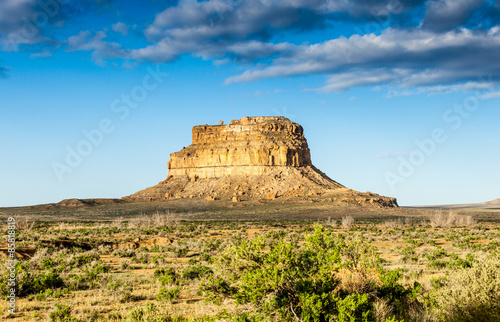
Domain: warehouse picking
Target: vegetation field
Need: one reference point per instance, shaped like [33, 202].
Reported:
[153, 267]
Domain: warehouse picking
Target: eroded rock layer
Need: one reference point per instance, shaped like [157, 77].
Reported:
[245, 147]
[251, 158]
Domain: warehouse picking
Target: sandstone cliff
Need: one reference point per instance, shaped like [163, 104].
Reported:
[248, 159]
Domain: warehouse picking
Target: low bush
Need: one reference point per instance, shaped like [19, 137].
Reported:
[152, 313]
[471, 294]
[324, 278]
[62, 313]
[451, 219]
[196, 271]
[168, 293]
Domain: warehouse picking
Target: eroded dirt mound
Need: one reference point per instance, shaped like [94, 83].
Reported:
[77, 203]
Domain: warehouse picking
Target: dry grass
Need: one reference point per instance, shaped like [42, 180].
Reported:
[200, 240]
[155, 220]
[448, 219]
[331, 223]
[347, 222]
[403, 222]
[24, 223]
[472, 294]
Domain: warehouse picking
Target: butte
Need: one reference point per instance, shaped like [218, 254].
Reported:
[253, 158]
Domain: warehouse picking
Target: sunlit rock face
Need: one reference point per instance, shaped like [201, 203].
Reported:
[251, 158]
[245, 147]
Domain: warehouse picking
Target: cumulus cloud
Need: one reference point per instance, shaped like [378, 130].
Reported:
[420, 45]
[405, 58]
[243, 29]
[16, 24]
[31, 25]
[444, 15]
[121, 28]
[491, 95]
[100, 48]
[12, 14]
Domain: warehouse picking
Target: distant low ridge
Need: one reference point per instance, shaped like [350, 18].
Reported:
[493, 204]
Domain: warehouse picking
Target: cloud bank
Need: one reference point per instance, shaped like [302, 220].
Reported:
[415, 46]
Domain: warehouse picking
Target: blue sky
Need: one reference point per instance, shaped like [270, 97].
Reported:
[396, 97]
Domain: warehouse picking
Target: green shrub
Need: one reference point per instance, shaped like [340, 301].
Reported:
[196, 271]
[35, 282]
[168, 293]
[408, 254]
[89, 277]
[324, 278]
[471, 294]
[457, 262]
[83, 259]
[436, 254]
[166, 276]
[435, 264]
[152, 313]
[62, 313]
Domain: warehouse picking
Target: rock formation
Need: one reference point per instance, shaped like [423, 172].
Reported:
[248, 159]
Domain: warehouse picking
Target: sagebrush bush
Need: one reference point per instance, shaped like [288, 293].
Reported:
[155, 220]
[472, 294]
[451, 219]
[152, 313]
[325, 277]
[347, 222]
[30, 280]
[62, 313]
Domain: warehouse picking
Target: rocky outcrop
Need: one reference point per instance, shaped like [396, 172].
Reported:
[251, 158]
[245, 147]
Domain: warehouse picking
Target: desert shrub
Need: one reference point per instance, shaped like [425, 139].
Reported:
[408, 254]
[124, 264]
[347, 222]
[62, 313]
[31, 281]
[323, 278]
[168, 293]
[89, 277]
[457, 262]
[82, 259]
[125, 252]
[95, 268]
[471, 294]
[439, 252]
[436, 264]
[152, 313]
[399, 222]
[166, 276]
[195, 271]
[331, 223]
[24, 223]
[143, 258]
[152, 221]
[451, 219]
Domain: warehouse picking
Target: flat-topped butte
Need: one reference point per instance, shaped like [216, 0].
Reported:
[250, 159]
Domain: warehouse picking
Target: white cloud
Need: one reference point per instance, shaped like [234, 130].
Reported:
[101, 49]
[388, 155]
[403, 58]
[121, 28]
[491, 95]
[443, 15]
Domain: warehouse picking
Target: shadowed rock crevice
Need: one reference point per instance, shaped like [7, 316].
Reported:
[250, 159]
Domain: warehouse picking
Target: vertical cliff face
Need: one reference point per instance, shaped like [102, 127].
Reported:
[251, 158]
[244, 147]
